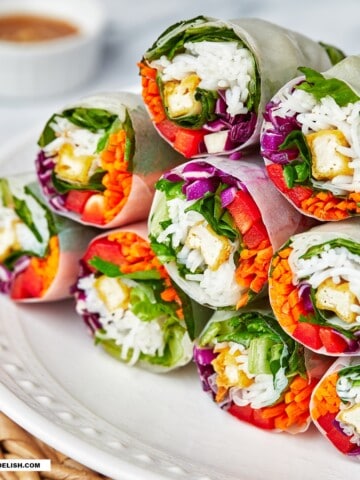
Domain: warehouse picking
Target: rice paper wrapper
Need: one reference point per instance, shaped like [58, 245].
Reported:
[337, 418]
[200, 316]
[267, 42]
[72, 240]
[249, 406]
[152, 156]
[346, 71]
[336, 333]
[280, 219]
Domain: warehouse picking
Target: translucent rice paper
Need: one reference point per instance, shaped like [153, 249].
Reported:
[347, 70]
[141, 229]
[332, 424]
[279, 217]
[348, 229]
[278, 53]
[73, 240]
[151, 158]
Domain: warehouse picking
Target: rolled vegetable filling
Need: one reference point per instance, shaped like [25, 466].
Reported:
[208, 231]
[314, 290]
[256, 372]
[310, 142]
[126, 298]
[84, 165]
[335, 406]
[201, 86]
[29, 245]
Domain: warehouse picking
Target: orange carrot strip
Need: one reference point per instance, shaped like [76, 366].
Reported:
[46, 267]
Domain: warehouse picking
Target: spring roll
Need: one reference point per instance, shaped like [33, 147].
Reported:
[39, 251]
[215, 223]
[335, 405]
[252, 369]
[314, 290]
[206, 81]
[99, 159]
[129, 304]
[310, 141]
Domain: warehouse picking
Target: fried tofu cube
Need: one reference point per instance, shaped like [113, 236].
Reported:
[8, 239]
[72, 168]
[214, 248]
[351, 416]
[337, 298]
[179, 97]
[113, 292]
[327, 162]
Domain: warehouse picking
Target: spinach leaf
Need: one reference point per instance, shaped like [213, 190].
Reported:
[95, 183]
[334, 53]
[48, 134]
[350, 245]
[320, 87]
[111, 270]
[296, 171]
[93, 119]
[24, 213]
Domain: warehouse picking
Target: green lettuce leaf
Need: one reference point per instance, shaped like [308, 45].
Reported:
[334, 53]
[320, 87]
[297, 171]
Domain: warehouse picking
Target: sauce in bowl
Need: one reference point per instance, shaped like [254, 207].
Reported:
[26, 28]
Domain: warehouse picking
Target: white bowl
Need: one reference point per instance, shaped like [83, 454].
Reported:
[55, 66]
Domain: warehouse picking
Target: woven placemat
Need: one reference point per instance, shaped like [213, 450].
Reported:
[16, 443]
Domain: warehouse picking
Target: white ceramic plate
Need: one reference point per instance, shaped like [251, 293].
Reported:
[127, 423]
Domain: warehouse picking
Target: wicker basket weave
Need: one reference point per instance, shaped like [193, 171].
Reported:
[16, 443]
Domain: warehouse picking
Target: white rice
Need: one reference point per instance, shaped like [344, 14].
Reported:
[81, 139]
[135, 336]
[316, 115]
[264, 391]
[219, 65]
[337, 263]
[215, 284]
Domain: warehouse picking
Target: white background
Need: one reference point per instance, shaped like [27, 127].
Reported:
[135, 24]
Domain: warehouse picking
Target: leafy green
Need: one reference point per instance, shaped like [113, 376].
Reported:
[24, 213]
[5, 193]
[170, 38]
[33, 191]
[296, 171]
[350, 245]
[10, 261]
[320, 87]
[111, 270]
[93, 119]
[48, 134]
[61, 186]
[334, 53]
[351, 370]
[218, 217]
[170, 189]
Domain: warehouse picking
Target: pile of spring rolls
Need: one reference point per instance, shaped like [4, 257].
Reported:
[211, 219]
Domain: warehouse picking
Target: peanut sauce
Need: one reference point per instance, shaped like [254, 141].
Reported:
[26, 28]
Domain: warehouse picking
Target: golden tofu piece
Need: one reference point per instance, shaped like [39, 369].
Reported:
[8, 239]
[337, 298]
[71, 168]
[214, 248]
[327, 162]
[179, 97]
[113, 292]
[350, 416]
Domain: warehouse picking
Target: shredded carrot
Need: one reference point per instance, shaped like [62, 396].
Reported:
[45, 268]
[139, 257]
[325, 206]
[150, 93]
[117, 180]
[284, 297]
[293, 411]
[325, 399]
[252, 271]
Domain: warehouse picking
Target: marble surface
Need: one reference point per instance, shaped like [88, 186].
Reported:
[135, 24]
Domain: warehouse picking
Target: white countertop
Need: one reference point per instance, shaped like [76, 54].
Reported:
[135, 25]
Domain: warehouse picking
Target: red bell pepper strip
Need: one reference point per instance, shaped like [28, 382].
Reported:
[76, 199]
[308, 334]
[187, 142]
[296, 194]
[332, 341]
[106, 249]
